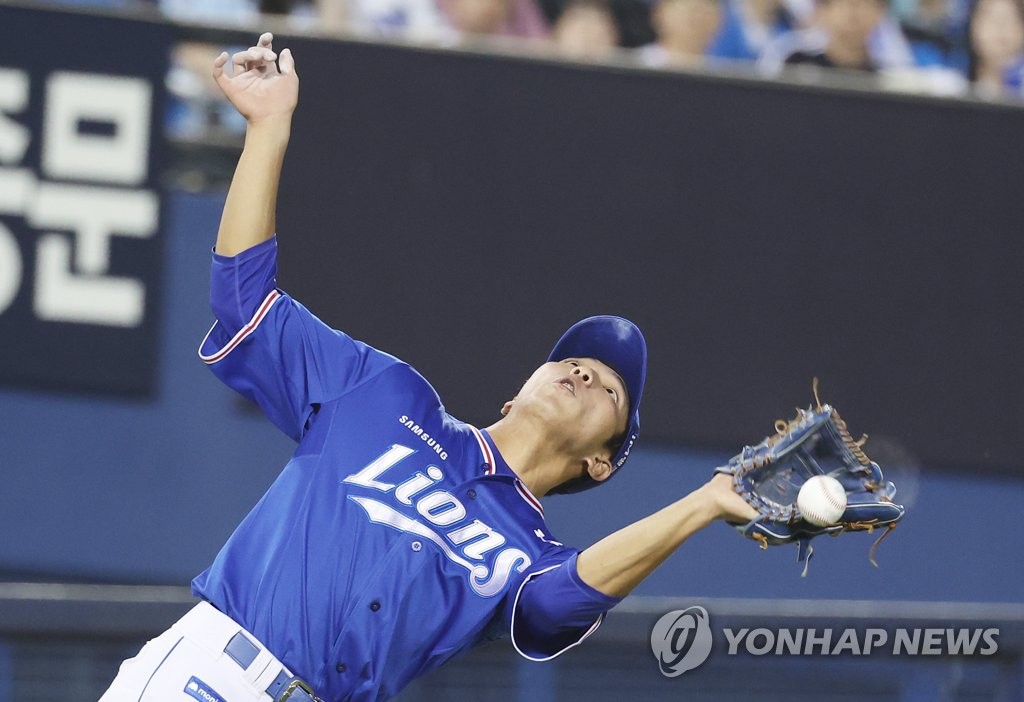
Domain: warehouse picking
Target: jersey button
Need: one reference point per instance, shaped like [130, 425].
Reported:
[416, 546]
[472, 493]
[341, 667]
[375, 605]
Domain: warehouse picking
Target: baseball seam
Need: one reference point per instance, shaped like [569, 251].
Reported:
[830, 498]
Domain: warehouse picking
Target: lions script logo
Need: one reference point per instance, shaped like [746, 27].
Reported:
[681, 640]
[467, 542]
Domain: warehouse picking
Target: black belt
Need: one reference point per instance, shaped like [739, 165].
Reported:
[284, 687]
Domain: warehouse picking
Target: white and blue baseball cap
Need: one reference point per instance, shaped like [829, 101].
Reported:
[619, 344]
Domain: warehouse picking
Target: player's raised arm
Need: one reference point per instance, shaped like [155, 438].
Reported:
[618, 563]
[264, 88]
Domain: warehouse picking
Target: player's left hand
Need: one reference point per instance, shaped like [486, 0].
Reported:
[262, 85]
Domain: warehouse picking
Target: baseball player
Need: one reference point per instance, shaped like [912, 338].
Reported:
[397, 536]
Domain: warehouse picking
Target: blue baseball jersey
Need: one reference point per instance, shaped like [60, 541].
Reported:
[396, 537]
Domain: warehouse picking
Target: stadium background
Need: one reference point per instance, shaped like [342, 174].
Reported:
[459, 209]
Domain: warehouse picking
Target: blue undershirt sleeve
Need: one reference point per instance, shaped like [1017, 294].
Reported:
[555, 610]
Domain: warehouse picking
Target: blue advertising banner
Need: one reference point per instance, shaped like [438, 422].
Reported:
[81, 99]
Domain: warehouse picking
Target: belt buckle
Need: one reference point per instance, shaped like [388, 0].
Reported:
[294, 685]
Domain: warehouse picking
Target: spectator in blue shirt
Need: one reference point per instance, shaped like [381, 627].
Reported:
[748, 27]
[842, 41]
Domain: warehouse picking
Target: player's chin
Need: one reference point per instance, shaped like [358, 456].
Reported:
[560, 400]
[557, 409]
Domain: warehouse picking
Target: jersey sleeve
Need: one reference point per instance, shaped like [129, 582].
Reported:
[552, 609]
[274, 351]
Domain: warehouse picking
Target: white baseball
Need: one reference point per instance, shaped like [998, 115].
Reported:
[822, 500]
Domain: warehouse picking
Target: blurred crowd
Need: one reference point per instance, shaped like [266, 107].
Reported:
[945, 47]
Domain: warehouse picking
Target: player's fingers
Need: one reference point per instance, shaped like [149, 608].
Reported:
[239, 59]
[287, 62]
[253, 57]
[266, 40]
[218, 65]
[258, 53]
[258, 57]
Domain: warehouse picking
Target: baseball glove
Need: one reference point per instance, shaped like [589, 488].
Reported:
[816, 442]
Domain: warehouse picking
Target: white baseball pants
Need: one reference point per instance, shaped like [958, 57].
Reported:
[204, 656]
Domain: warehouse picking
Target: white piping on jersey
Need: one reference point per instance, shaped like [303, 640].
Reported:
[524, 491]
[245, 331]
[515, 608]
[485, 450]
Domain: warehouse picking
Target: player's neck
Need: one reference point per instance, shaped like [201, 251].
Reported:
[537, 462]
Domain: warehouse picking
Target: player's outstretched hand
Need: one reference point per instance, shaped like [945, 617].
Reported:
[729, 506]
[262, 84]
